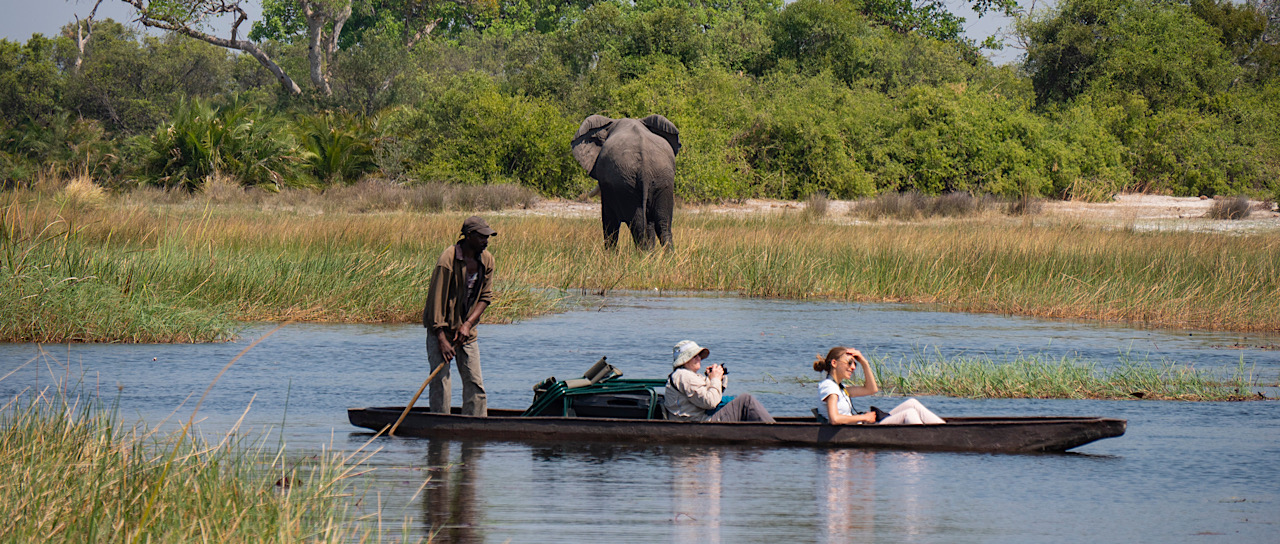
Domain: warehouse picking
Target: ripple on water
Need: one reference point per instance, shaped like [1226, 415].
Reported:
[1183, 470]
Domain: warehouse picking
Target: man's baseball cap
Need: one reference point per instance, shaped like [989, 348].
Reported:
[476, 224]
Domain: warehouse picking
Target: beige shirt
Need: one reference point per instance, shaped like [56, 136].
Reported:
[689, 395]
[445, 308]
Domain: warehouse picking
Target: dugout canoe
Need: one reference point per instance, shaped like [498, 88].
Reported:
[1049, 434]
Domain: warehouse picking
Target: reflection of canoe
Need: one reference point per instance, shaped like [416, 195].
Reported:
[986, 434]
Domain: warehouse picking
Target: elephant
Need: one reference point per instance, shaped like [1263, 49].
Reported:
[634, 163]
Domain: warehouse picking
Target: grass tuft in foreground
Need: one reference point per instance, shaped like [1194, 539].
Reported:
[76, 475]
[1035, 376]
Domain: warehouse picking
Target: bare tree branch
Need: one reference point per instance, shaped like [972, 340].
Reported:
[198, 10]
[82, 37]
[422, 32]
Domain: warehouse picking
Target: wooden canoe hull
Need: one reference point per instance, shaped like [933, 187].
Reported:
[981, 434]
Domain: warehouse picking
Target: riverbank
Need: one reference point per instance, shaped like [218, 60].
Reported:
[119, 269]
[1137, 212]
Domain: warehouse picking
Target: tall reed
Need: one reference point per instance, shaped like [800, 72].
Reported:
[1038, 376]
[54, 290]
[250, 264]
[75, 474]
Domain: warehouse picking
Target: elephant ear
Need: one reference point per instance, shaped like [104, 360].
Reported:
[663, 127]
[591, 135]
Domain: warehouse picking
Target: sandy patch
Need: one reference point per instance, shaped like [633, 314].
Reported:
[1140, 212]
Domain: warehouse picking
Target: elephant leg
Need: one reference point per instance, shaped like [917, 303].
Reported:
[641, 234]
[660, 210]
[611, 225]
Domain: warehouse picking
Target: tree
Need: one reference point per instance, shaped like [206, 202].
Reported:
[187, 17]
[83, 31]
[833, 35]
[1242, 29]
[1158, 51]
[31, 83]
[321, 48]
[331, 25]
[131, 81]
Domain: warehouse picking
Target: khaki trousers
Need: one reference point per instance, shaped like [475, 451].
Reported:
[474, 402]
[744, 407]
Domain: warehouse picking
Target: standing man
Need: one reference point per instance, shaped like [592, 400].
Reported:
[460, 290]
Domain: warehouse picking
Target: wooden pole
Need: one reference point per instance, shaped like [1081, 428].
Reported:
[392, 432]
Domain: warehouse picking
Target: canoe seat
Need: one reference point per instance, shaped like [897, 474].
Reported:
[560, 398]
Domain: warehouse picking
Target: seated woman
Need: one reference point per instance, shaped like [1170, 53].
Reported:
[694, 397]
[834, 400]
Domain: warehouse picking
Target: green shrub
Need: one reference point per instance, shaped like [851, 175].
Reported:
[806, 135]
[469, 132]
[1192, 153]
[953, 139]
[338, 146]
[242, 140]
[1085, 160]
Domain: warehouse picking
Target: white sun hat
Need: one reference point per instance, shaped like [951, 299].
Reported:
[685, 350]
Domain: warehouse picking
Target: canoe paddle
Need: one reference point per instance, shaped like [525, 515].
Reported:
[392, 432]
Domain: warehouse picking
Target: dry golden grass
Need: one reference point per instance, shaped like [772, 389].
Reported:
[82, 192]
[258, 264]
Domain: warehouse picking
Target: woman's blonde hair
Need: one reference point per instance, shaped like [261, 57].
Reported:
[823, 364]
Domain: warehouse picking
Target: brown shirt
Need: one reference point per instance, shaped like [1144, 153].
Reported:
[447, 301]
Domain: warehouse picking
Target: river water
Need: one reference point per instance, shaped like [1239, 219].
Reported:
[1184, 472]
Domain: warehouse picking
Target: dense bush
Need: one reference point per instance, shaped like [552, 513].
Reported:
[846, 98]
[466, 131]
[1166, 82]
[338, 146]
[241, 140]
[59, 145]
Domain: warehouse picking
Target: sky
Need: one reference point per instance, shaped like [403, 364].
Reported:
[19, 19]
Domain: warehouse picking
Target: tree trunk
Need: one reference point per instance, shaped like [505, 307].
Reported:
[321, 49]
[315, 34]
[331, 48]
[82, 37]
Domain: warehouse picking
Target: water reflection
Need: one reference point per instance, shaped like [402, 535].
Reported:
[1133, 488]
[697, 491]
[847, 494]
[449, 503]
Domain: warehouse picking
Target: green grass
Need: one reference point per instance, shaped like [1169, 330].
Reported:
[1037, 376]
[75, 474]
[120, 270]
